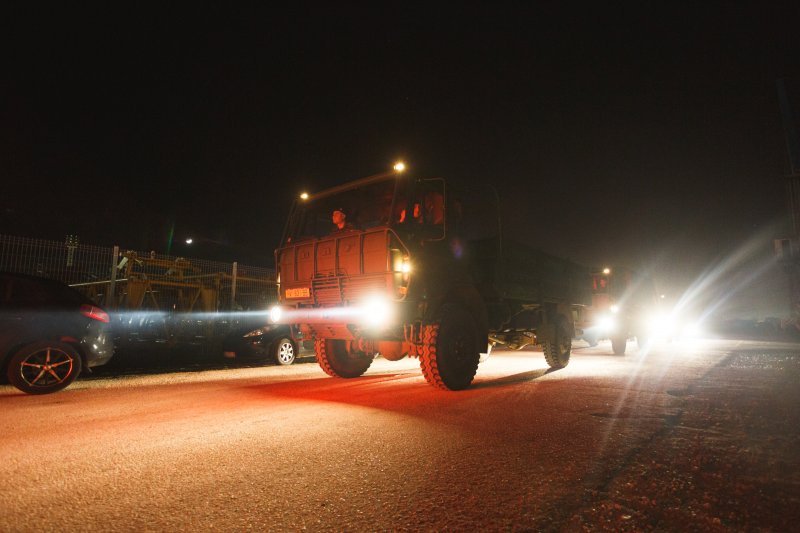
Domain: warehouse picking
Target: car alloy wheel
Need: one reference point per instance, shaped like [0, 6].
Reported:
[284, 352]
[44, 367]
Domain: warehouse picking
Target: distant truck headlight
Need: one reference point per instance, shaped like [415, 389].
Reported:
[661, 325]
[606, 323]
[693, 329]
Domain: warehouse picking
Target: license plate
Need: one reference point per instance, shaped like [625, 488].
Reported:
[302, 292]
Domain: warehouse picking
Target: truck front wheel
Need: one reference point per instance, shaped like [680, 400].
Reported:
[450, 354]
[557, 350]
[337, 361]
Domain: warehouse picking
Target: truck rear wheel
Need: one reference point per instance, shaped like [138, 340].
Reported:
[450, 354]
[557, 350]
[337, 361]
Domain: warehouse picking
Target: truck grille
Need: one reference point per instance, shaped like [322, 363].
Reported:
[338, 290]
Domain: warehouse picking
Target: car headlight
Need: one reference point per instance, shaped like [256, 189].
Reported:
[254, 333]
[275, 314]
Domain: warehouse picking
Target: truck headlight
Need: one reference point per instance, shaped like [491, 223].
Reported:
[275, 314]
[377, 311]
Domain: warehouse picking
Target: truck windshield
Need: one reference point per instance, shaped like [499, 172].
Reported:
[364, 206]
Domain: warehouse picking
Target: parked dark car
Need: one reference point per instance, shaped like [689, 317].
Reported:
[263, 343]
[49, 332]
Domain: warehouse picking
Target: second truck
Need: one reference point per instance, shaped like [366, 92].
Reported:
[624, 305]
[418, 267]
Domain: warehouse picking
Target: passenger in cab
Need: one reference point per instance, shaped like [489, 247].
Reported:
[339, 219]
[417, 214]
[434, 208]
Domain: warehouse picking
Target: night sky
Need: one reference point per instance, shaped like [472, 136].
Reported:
[647, 136]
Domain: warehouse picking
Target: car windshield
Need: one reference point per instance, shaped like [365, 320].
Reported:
[364, 206]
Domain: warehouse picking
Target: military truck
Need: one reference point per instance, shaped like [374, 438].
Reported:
[419, 269]
[624, 303]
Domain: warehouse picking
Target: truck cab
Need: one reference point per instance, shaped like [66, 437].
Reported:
[622, 303]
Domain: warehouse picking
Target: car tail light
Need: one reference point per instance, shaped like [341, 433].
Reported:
[94, 313]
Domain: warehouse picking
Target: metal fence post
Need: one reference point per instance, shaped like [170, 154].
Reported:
[72, 245]
[233, 285]
[113, 284]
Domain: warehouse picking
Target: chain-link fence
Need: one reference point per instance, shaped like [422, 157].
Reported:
[68, 262]
[150, 296]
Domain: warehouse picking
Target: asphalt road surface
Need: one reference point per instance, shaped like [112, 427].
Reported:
[701, 435]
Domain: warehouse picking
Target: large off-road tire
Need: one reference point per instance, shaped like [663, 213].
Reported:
[557, 351]
[284, 351]
[44, 367]
[337, 361]
[450, 353]
[485, 355]
[618, 344]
